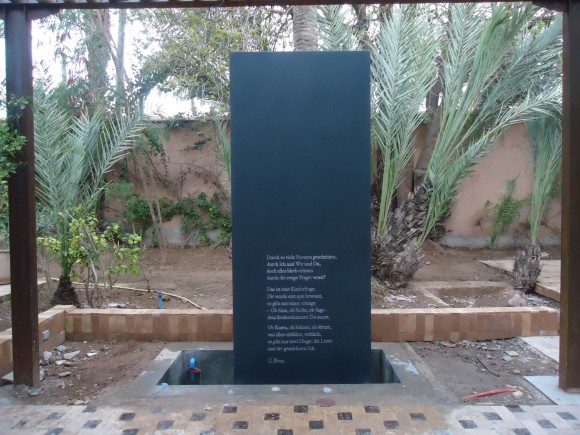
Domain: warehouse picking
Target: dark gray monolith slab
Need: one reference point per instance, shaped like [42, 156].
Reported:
[301, 217]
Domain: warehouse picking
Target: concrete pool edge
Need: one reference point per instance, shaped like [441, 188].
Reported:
[413, 387]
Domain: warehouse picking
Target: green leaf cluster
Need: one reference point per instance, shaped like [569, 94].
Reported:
[187, 51]
[506, 211]
[73, 155]
[10, 144]
[97, 257]
[199, 215]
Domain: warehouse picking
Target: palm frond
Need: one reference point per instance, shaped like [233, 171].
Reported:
[337, 29]
[490, 83]
[546, 142]
[114, 140]
[403, 71]
[223, 140]
[73, 155]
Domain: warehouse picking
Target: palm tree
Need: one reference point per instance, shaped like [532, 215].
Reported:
[494, 76]
[546, 143]
[402, 72]
[304, 28]
[493, 73]
[72, 157]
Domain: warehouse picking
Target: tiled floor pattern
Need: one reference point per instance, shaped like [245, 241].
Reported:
[290, 420]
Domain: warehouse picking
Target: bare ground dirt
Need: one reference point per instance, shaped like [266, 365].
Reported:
[203, 275]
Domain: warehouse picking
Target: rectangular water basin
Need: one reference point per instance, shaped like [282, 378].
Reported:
[217, 368]
[396, 381]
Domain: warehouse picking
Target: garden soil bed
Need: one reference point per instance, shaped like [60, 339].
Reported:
[103, 368]
[203, 275]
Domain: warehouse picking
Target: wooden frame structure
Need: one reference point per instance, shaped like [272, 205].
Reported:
[18, 15]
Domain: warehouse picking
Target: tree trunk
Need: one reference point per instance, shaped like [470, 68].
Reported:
[120, 60]
[405, 187]
[156, 223]
[434, 111]
[305, 28]
[65, 293]
[98, 53]
[527, 268]
[362, 26]
[117, 54]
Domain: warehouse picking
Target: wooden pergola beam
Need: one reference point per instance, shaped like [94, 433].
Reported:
[183, 4]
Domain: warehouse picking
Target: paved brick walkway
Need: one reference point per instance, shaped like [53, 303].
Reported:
[289, 420]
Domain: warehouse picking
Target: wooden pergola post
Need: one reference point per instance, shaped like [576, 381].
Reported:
[570, 281]
[24, 294]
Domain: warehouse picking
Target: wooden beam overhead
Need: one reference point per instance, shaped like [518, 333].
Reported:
[181, 4]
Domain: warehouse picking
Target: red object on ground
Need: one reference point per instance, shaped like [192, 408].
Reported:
[489, 393]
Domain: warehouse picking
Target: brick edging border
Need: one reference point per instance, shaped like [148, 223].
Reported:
[393, 325]
[430, 324]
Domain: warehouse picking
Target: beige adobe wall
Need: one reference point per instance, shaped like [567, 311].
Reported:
[192, 168]
[509, 158]
[191, 165]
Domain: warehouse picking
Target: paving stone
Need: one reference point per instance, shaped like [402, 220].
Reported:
[130, 431]
[127, 416]
[417, 416]
[566, 415]
[344, 416]
[492, 416]
[55, 416]
[285, 432]
[20, 424]
[316, 424]
[546, 424]
[372, 409]
[55, 431]
[240, 425]
[270, 416]
[363, 432]
[301, 409]
[91, 424]
[207, 432]
[230, 409]
[198, 416]
[522, 431]
[164, 424]
[467, 424]
[515, 408]
[90, 408]
[391, 424]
